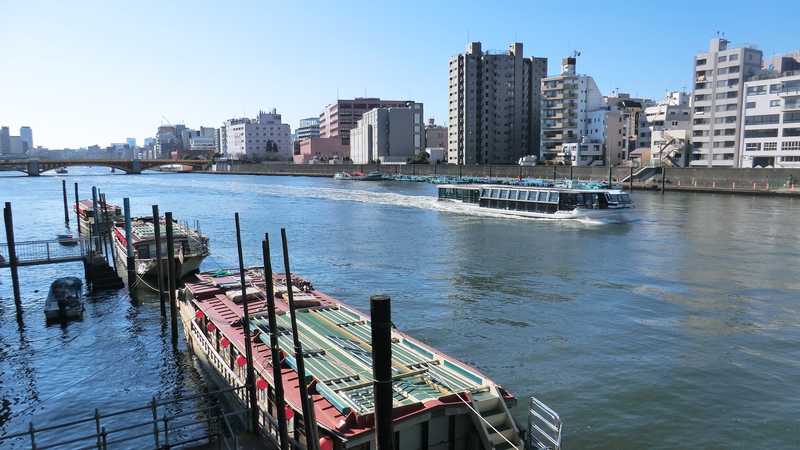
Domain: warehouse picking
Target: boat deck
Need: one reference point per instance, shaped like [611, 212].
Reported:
[337, 350]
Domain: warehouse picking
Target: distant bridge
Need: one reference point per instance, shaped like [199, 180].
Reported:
[34, 167]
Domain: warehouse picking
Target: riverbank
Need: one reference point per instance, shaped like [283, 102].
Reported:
[778, 182]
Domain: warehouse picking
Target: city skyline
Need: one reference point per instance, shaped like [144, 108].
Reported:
[88, 75]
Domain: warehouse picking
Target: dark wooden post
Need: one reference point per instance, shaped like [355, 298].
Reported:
[309, 418]
[283, 432]
[663, 178]
[570, 172]
[12, 257]
[159, 266]
[554, 173]
[172, 283]
[381, 319]
[129, 259]
[96, 225]
[107, 218]
[66, 208]
[77, 213]
[630, 180]
[610, 176]
[248, 338]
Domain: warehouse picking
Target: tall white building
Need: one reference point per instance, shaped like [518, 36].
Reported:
[384, 135]
[719, 76]
[308, 128]
[771, 130]
[264, 137]
[567, 99]
[493, 105]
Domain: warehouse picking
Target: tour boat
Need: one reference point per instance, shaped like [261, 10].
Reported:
[190, 246]
[438, 401]
[86, 215]
[587, 201]
[64, 299]
[61, 171]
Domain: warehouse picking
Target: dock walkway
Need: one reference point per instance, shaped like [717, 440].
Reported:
[35, 253]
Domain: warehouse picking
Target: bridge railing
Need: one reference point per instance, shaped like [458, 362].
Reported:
[41, 252]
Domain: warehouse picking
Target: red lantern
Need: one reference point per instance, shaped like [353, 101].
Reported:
[241, 361]
[224, 342]
[199, 314]
[325, 443]
[261, 383]
[211, 327]
[288, 411]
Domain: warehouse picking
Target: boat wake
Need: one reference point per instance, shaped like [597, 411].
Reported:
[379, 198]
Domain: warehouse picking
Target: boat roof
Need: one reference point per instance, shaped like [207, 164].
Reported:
[337, 350]
[142, 229]
[88, 205]
[533, 188]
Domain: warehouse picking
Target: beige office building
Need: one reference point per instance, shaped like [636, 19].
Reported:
[493, 110]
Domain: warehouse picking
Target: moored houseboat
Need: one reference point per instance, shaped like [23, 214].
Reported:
[566, 201]
[191, 246]
[106, 215]
[438, 401]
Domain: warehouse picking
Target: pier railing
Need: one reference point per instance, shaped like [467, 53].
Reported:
[160, 425]
[32, 253]
[544, 427]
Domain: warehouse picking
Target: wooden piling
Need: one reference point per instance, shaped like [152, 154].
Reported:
[110, 238]
[248, 339]
[381, 320]
[12, 257]
[160, 274]
[77, 213]
[129, 259]
[663, 178]
[172, 280]
[283, 433]
[610, 175]
[97, 231]
[312, 436]
[630, 180]
[66, 208]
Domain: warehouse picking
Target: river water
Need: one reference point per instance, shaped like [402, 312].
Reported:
[678, 330]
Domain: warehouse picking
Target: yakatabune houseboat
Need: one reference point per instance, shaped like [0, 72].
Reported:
[586, 201]
[439, 403]
[86, 215]
[191, 246]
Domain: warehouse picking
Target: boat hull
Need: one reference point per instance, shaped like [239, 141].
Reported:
[604, 216]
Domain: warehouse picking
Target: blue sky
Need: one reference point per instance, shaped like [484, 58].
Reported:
[85, 72]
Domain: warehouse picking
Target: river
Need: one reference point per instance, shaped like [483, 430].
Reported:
[678, 330]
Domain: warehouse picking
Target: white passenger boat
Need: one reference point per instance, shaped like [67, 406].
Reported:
[64, 299]
[568, 201]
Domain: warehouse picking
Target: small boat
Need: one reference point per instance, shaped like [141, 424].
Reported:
[191, 246]
[61, 171]
[67, 239]
[64, 299]
[359, 176]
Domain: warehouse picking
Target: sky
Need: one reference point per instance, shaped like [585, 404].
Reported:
[84, 73]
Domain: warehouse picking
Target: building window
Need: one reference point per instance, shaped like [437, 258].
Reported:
[793, 158]
[770, 146]
[790, 146]
[757, 90]
[752, 147]
[774, 103]
[791, 132]
[750, 105]
[791, 117]
[762, 119]
[771, 132]
[733, 58]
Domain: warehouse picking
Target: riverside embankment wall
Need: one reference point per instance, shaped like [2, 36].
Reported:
[773, 181]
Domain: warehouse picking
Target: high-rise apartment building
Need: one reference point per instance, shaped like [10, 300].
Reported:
[771, 119]
[668, 122]
[26, 134]
[337, 119]
[719, 76]
[567, 100]
[493, 106]
[5, 141]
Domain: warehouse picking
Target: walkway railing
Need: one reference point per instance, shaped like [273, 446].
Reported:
[33, 253]
[159, 425]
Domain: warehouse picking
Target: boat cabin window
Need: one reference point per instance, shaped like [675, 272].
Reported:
[618, 199]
